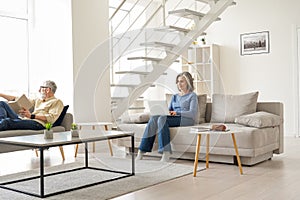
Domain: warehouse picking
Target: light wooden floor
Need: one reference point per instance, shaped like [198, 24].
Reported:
[278, 178]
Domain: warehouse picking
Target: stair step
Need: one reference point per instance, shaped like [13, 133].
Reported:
[158, 44]
[208, 1]
[212, 1]
[123, 85]
[136, 72]
[145, 58]
[132, 72]
[115, 100]
[187, 13]
[172, 29]
[175, 28]
[126, 85]
[137, 108]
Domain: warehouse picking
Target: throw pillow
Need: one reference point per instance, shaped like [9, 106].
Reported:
[168, 98]
[225, 108]
[61, 116]
[137, 118]
[259, 120]
[202, 99]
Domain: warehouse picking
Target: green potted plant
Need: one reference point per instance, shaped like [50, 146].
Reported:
[48, 132]
[74, 130]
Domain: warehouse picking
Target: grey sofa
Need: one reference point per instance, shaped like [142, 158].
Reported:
[254, 144]
[65, 126]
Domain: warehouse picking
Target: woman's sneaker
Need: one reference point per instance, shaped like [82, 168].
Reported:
[140, 155]
[166, 156]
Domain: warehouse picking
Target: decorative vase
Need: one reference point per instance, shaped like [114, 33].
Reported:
[48, 134]
[75, 133]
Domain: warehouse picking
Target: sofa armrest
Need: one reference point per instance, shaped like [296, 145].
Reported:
[277, 109]
[271, 107]
[67, 121]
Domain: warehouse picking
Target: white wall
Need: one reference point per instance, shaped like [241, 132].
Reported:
[271, 74]
[91, 59]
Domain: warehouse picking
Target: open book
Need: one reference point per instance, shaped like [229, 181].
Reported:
[21, 102]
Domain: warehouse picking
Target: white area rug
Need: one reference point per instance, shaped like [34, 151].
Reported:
[147, 173]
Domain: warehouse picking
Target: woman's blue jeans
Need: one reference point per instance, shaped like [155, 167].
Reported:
[160, 124]
[9, 120]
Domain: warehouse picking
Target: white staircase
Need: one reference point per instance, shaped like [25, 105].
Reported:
[161, 49]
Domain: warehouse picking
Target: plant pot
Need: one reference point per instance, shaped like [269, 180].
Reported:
[48, 134]
[75, 133]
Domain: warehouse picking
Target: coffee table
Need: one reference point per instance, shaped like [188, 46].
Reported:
[60, 139]
[207, 132]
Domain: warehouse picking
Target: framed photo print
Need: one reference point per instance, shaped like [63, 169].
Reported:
[255, 43]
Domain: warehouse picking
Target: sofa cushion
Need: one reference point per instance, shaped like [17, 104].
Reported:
[61, 116]
[225, 108]
[202, 99]
[259, 120]
[137, 118]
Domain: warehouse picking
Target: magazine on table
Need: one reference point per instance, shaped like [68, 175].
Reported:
[21, 102]
[215, 127]
[200, 129]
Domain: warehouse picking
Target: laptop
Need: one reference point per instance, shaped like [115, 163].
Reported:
[158, 107]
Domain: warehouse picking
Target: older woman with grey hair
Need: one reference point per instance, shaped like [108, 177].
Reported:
[183, 111]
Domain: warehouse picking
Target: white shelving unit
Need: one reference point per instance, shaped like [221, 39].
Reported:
[203, 62]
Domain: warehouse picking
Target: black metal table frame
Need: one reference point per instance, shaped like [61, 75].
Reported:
[43, 175]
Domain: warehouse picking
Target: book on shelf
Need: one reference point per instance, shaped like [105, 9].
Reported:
[21, 102]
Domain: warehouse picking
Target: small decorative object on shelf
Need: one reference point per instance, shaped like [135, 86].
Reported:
[195, 42]
[48, 133]
[203, 41]
[74, 130]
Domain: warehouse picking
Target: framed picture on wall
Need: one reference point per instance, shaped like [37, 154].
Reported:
[255, 43]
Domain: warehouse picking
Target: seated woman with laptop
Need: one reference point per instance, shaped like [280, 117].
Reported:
[183, 111]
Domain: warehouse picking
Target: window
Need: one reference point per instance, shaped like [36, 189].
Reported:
[36, 45]
[14, 46]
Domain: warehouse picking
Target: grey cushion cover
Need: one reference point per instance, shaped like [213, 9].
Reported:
[225, 108]
[136, 118]
[259, 120]
[202, 99]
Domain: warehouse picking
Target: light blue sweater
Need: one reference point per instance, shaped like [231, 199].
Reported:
[186, 105]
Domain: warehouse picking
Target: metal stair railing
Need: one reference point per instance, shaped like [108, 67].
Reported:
[163, 23]
[117, 9]
[114, 58]
[183, 45]
[162, 6]
[140, 31]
